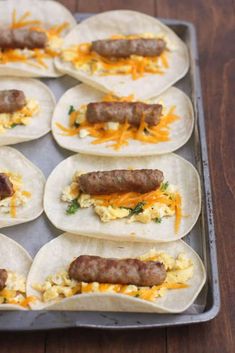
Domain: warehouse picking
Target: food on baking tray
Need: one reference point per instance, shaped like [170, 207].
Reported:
[26, 107]
[92, 274]
[87, 121]
[155, 198]
[21, 188]
[125, 52]
[31, 37]
[14, 266]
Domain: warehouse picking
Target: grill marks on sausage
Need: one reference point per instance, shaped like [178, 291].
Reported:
[21, 39]
[123, 48]
[12, 100]
[3, 278]
[6, 187]
[87, 268]
[120, 181]
[132, 112]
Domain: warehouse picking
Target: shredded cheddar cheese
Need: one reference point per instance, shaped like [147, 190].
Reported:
[35, 57]
[124, 132]
[179, 270]
[148, 207]
[82, 57]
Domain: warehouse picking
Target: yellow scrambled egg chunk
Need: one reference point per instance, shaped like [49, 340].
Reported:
[109, 213]
[14, 291]
[20, 117]
[179, 271]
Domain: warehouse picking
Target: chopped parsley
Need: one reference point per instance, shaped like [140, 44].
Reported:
[137, 209]
[164, 186]
[71, 110]
[137, 295]
[158, 220]
[73, 207]
[14, 125]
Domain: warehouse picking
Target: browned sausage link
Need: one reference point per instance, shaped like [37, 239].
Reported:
[6, 187]
[122, 48]
[117, 271]
[11, 100]
[3, 278]
[120, 181]
[119, 112]
[22, 38]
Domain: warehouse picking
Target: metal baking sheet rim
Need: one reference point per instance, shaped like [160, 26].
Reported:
[44, 320]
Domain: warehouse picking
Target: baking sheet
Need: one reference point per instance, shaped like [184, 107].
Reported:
[46, 154]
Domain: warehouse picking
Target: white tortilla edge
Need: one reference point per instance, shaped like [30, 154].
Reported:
[177, 171]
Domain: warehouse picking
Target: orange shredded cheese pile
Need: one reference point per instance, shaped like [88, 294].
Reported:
[131, 199]
[10, 294]
[125, 132]
[136, 66]
[37, 56]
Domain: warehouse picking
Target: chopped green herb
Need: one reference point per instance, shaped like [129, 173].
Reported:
[71, 109]
[137, 295]
[158, 220]
[137, 209]
[73, 207]
[14, 125]
[164, 186]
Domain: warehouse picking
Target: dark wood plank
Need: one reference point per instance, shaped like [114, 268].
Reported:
[22, 342]
[70, 4]
[215, 26]
[94, 341]
[147, 6]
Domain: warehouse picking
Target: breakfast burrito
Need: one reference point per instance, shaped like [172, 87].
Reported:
[86, 120]
[125, 52]
[157, 198]
[26, 107]
[72, 272]
[15, 263]
[31, 36]
[21, 188]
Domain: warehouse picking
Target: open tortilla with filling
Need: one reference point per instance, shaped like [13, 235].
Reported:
[14, 259]
[28, 186]
[179, 128]
[124, 23]
[179, 175]
[37, 15]
[57, 255]
[34, 119]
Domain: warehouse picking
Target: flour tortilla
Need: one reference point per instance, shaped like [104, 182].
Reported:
[125, 22]
[56, 256]
[180, 130]
[176, 171]
[50, 13]
[40, 123]
[34, 181]
[13, 257]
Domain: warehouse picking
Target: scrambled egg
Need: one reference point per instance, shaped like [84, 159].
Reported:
[108, 213]
[76, 54]
[14, 291]
[20, 117]
[179, 271]
[18, 199]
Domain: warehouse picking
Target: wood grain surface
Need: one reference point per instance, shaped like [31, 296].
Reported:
[215, 23]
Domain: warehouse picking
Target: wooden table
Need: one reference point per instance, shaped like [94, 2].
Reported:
[215, 22]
